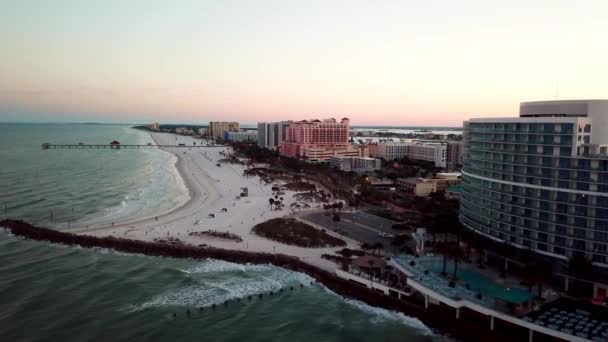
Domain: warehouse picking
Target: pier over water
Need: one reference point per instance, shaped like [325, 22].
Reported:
[48, 146]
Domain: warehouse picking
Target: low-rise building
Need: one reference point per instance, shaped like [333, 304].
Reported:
[184, 131]
[249, 136]
[203, 131]
[380, 184]
[435, 152]
[388, 150]
[355, 164]
[423, 187]
[323, 153]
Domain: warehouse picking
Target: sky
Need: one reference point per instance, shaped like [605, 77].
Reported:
[378, 62]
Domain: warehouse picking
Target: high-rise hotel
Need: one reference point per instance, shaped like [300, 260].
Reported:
[540, 180]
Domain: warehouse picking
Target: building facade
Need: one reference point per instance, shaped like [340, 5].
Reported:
[454, 155]
[272, 134]
[184, 131]
[423, 187]
[318, 140]
[217, 128]
[425, 151]
[241, 136]
[388, 150]
[355, 164]
[323, 153]
[540, 180]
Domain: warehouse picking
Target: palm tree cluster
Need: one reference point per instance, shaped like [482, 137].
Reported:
[372, 248]
[277, 202]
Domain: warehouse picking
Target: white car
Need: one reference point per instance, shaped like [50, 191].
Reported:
[386, 235]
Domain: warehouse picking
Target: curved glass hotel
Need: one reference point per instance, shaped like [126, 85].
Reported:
[540, 180]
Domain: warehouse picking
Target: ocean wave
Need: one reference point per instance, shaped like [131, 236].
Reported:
[215, 282]
[379, 315]
[225, 266]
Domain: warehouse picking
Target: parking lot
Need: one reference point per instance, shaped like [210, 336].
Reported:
[360, 226]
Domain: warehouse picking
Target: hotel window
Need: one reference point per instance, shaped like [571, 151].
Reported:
[578, 244]
[559, 250]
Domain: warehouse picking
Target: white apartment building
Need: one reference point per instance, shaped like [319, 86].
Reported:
[184, 130]
[356, 164]
[388, 150]
[432, 152]
[540, 181]
[241, 136]
[272, 134]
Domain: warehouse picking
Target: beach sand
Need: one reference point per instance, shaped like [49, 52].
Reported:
[211, 189]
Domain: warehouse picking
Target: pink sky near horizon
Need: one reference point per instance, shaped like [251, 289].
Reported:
[408, 63]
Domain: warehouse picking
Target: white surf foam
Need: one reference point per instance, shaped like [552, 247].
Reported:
[214, 284]
[379, 315]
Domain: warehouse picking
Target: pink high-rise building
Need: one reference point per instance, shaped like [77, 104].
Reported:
[317, 140]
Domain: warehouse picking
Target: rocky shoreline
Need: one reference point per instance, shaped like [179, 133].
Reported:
[471, 327]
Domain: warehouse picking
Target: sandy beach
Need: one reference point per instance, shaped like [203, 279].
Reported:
[213, 188]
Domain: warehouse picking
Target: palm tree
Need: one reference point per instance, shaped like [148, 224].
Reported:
[271, 201]
[481, 245]
[579, 265]
[378, 246]
[336, 219]
[505, 250]
[444, 249]
[457, 255]
[371, 263]
[537, 272]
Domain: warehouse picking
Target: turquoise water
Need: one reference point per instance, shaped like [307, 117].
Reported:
[481, 283]
[67, 188]
[55, 293]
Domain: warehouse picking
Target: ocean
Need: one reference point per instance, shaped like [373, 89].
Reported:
[66, 188]
[57, 293]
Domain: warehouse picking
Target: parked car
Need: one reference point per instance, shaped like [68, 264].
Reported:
[385, 235]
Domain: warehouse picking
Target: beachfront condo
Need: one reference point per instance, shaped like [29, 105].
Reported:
[318, 140]
[217, 128]
[540, 180]
[272, 134]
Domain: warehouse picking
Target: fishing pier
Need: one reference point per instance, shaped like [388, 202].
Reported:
[118, 146]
